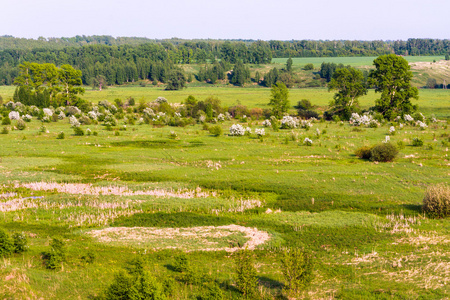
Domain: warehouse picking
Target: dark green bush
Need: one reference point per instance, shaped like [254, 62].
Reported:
[6, 243]
[60, 136]
[383, 152]
[78, 131]
[54, 258]
[216, 130]
[363, 152]
[5, 130]
[20, 242]
[437, 201]
[6, 121]
[417, 142]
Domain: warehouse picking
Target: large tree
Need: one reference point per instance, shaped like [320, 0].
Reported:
[392, 78]
[176, 80]
[279, 99]
[349, 83]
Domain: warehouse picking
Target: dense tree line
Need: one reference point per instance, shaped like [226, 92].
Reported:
[121, 60]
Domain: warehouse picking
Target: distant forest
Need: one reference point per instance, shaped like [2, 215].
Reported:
[128, 59]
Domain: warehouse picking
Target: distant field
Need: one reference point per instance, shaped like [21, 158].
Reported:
[430, 101]
[352, 61]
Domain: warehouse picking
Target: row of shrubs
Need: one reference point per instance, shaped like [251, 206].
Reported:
[383, 152]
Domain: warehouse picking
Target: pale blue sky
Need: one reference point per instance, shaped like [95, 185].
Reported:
[232, 19]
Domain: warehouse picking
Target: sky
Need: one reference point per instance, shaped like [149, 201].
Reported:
[231, 19]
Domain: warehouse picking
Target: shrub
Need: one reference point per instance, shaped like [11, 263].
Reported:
[54, 258]
[173, 135]
[6, 244]
[216, 130]
[297, 269]
[417, 142]
[246, 281]
[78, 131]
[20, 242]
[213, 292]
[6, 121]
[437, 200]
[363, 152]
[181, 263]
[5, 130]
[383, 152]
[60, 136]
[21, 125]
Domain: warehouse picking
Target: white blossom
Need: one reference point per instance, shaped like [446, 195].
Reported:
[74, 121]
[14, 115]
[237, 130]
[288, 122]
[266, 123]
[307, 142]
[61, 115]
[48, 112]
[408, 118]
[260, 132]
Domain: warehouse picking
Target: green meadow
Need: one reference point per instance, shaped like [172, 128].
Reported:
[155, 192]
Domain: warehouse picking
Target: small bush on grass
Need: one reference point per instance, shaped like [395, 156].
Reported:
[383, 152]
[213, 292]
[54, 258]
[297, 269]
[20, 242]
[5, 130]
[6, 243]
[437, 201]
[60, 136]
[246, 281]
[78, 131]
[216, 130]
[363, 152]
[417, 142]
[21, 125]
[6, 121]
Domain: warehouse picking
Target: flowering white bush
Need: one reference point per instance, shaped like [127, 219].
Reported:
[149, 113]
[72, 110]
[113, 108]
[221, 117]
[48, 112]
[140, 121]
[433, 119]
[33, 110]
[228, 116]
[61, 115]
[110, 120]
[408, 118]
[386, 139]
[306, 124]
[202, 118]
[317, 131]
[27, 118]
[237, 130]
[248, 130]
[14, 115]
[177, 115]
[46, 119]
[288, 122]
[88, 131]
[358, 120]
[422, 125]
[392, 130]
[266, 123]
[308, 142]
[401, 125]
[260, 132]
[92, 115]
[74, 121]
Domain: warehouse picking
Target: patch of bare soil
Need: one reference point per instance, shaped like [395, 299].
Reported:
[202, 238]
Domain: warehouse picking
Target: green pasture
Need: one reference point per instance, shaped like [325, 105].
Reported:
[357, 62]
[358, 218]
[431, 101]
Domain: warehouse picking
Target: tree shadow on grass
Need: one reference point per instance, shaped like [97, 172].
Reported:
[414, 208]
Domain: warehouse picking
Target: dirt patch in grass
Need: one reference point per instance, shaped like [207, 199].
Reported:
[205, 238]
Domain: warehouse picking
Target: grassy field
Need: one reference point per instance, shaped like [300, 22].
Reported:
[361, 220]
[431, 101]
[357, 62]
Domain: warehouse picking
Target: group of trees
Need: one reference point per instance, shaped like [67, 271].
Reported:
[43, 85]
[391, 78]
